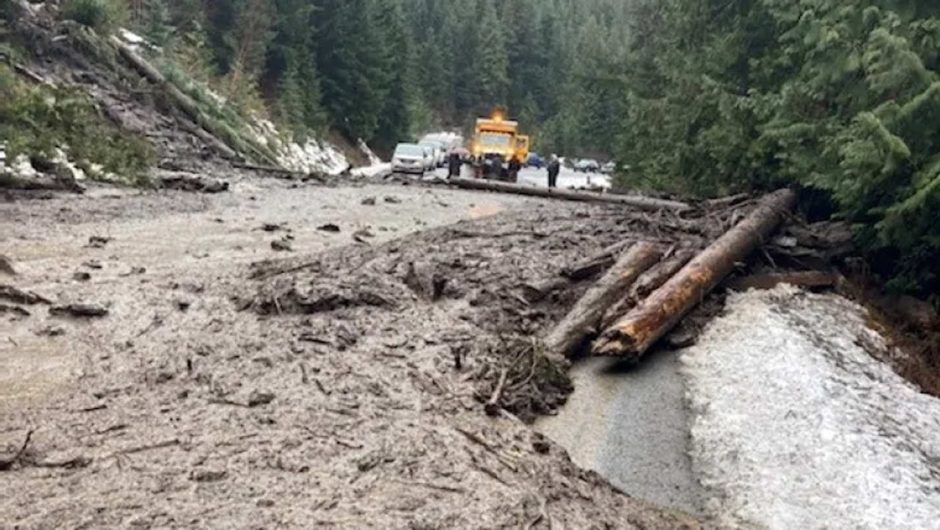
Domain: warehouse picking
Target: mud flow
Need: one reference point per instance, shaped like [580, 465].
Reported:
[286, 355]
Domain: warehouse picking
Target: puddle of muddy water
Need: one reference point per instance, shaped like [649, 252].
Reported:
[631, 426]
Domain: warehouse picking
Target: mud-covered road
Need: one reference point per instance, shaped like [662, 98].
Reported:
[336, 381]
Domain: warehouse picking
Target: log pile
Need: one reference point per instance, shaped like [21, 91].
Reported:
[646, 293]
[583, 320]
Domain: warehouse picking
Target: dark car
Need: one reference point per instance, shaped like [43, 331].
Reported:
[535, 160]
[587, 165]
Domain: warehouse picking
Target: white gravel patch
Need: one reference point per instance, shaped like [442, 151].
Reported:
[796, 425]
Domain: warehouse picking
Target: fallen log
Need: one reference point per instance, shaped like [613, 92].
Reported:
[286, 174]
[635, 201]
[19, 296]
[79, 310]
[636, 332]
[584, 319]
[809, 279]
[647, 283]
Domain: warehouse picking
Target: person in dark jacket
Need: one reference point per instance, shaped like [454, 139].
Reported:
[554, 168]
[453, 164]
[514, 167]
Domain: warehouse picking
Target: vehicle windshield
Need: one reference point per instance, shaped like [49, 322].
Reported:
[409, 150]
[495, 139]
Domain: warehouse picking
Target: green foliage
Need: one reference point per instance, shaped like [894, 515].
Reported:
[839, 95]
[36, 121]
[381, 70]
[101, 15]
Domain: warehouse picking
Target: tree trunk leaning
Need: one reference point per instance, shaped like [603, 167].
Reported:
[584, 319]
[226, 141]
[642, 203]
[635, 333]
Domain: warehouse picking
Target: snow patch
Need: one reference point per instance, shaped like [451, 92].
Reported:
[314, 155]
[310, 157]
[373, 170]
[130, 37]
[60, 158]
[22, 168]
[796, 425]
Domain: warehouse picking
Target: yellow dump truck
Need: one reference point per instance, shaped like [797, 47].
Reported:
[498, 149]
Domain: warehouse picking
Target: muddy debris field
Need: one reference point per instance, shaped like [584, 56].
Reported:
[370, 385]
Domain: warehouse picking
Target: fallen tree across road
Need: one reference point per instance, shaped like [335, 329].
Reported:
[635, 201]
[636, 332]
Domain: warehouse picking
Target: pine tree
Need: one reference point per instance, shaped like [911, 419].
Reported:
[490, 72]
[349, 56]
[397, 58]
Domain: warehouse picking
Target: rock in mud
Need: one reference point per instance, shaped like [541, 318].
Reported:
[259, 399]
[281, 245]
[391, 199]
[98, 241]
[330, 227]
[368, 201]
[81, 276]
[79, 310]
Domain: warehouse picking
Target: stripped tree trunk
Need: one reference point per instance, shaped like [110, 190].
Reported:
[636, 332]
[583, 321]
[647, 283]
[640, 202]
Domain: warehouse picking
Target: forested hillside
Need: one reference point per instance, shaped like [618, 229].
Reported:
[383, 69]
[697, 97]
[837, 95]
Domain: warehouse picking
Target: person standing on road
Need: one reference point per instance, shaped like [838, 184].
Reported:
[453, 164]
[554, 167]
[514, 167]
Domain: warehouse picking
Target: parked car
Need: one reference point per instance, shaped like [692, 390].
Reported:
[609, 168]
[411, 158]
[535, 160]
[438, 153]
[432, 155]
[587, 165]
